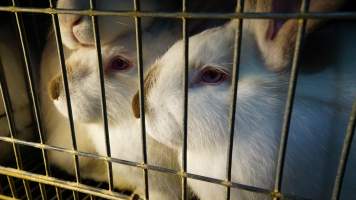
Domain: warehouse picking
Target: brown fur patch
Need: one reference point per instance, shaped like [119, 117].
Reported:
[54, 88]
[136, 105]
[150, 79]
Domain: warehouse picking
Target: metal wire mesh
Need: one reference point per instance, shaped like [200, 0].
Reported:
[16, 182]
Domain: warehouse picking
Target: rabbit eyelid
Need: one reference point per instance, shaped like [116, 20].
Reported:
[220, 67]
[210, 74]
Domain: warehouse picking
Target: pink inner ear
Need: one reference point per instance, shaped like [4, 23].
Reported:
[280, 6]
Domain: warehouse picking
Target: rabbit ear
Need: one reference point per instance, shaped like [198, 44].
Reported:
[276, 38]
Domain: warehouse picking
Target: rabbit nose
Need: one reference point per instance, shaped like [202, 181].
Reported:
[54, 89]
[136, 105]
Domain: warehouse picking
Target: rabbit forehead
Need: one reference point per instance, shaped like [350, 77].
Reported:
[88, 57]
[84, 57]
[209, 47]
[213, 46]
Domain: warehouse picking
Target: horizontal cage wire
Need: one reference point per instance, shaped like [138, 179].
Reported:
[33, 179]
[187, 15]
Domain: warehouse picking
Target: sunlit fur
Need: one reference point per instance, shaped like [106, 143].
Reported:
[14, 71]
[124, 129]
[56, 127]
[84, 85]
[321, 108]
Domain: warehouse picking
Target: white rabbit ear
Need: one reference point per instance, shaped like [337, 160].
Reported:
[276, 38]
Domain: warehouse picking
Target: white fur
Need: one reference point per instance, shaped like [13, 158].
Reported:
[86, 103]
[14, 70]
[124, 129]
[321, 108]
[57, 126]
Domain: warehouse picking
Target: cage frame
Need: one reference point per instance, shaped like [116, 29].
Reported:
[302, 16]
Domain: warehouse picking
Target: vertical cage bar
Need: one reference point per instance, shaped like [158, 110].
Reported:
[185, 37]
[58, 193]
[58, 37]
[43, 191]
[31, 84]
[27, 189]
[36, 26]
[140, 67]
[346, 148]
[103, 96]
[75, 195]
[235, 77]
[10, 180]
[289, 104]
[11, 123]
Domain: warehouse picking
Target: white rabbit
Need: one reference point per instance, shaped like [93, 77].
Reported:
[77, 32]
[320, 113]
[119, 61]
[14, 71]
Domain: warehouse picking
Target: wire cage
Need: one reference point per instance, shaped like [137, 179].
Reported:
[31, 178]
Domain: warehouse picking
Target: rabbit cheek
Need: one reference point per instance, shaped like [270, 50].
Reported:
[163, 128]
[163, 119]
[86, 113]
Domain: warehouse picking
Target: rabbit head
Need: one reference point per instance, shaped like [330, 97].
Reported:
[209, 87]
[77, 30]
[84, 83]
[276, 37]
[260, 104]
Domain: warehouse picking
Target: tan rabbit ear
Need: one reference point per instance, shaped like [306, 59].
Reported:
[276, 38]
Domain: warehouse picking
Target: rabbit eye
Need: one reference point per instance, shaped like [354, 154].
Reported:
[211, 75]
[119, 63]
